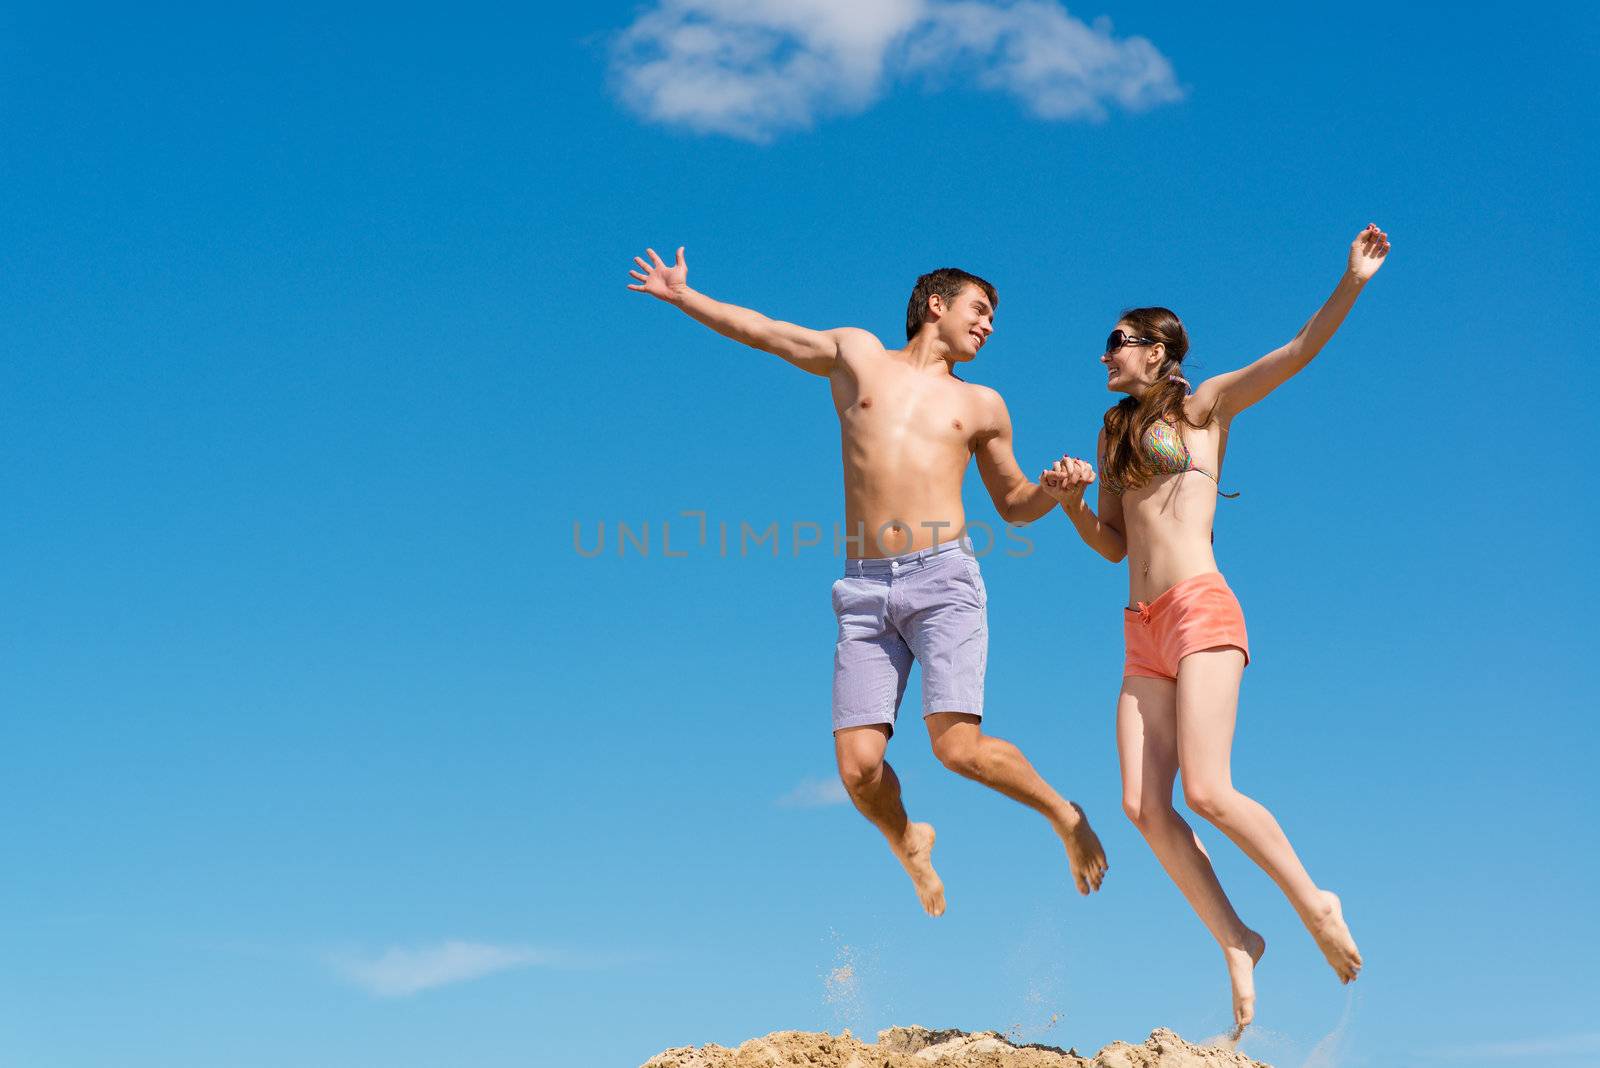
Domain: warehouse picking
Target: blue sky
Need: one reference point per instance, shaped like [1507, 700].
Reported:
[321, 744]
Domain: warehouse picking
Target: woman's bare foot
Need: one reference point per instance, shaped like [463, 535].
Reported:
[1242, 960]
[1327, 926]
[916, 855]
[1085, 855]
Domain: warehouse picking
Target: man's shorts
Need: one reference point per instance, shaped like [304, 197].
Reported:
[927, 606]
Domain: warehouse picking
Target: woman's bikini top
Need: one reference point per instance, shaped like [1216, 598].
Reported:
[1163, 444]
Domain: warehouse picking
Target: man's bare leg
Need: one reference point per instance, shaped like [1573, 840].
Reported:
[1147, 743]
[1208, 697]
[875, 789]
[963, 748]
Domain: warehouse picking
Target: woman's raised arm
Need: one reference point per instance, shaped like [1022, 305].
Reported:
[1231, 393]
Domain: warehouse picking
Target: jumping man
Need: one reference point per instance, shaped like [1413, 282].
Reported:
[907, 427]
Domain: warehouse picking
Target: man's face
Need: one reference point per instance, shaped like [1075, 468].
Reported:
[966, 322]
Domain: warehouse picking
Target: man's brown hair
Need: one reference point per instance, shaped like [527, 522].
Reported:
[947, 282]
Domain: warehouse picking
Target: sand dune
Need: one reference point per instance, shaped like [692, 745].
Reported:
[917, 1047]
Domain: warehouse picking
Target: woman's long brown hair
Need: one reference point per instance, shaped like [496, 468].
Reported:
[1126, 462]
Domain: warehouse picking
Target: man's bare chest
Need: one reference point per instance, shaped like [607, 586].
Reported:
[943, 416]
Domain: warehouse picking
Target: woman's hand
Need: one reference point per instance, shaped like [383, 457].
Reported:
[1367, 252]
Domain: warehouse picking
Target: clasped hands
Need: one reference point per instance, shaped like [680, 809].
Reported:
[1066, 479]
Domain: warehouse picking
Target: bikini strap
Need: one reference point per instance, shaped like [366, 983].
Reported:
[1213, 478]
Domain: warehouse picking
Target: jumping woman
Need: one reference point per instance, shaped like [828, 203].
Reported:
[1160, 454]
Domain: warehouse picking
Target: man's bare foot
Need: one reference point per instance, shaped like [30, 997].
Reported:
[1084, 853]
[1327, 926]
[916, 856]
[1242, 960]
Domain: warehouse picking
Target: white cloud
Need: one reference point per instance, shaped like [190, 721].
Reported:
[755, 68]
[815, 793]
[1564, 1046]
[399, 972]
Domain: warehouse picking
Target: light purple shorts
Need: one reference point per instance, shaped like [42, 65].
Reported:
[928, 606]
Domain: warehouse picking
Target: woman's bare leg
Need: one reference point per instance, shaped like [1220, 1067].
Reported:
[1208, 701]
[1147, 743]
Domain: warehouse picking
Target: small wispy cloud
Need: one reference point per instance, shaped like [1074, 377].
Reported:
[815, 793]
[399, 972]
[1561, 1046]
[752, 69]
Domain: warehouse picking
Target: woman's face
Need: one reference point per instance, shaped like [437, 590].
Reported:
[1131, 365]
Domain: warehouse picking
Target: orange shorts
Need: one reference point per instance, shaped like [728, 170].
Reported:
[1198, 613]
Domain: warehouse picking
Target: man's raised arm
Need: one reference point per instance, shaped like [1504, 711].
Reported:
[810, 350]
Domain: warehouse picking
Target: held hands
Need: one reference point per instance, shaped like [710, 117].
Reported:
[659, 280]
[1367, 252]
[1066, 479]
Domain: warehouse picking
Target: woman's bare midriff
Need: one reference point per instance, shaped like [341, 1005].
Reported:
[1168, 523]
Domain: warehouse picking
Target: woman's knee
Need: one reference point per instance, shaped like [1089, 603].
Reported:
[1146, 813]
[1211, 801]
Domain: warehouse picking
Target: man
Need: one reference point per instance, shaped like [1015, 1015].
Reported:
[907, 427]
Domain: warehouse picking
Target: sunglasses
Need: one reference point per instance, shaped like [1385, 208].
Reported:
[1120, 338]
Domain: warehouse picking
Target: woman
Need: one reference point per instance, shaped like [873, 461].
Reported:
[1160, 454]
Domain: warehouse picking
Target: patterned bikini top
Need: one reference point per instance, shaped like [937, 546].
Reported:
[1163, 444]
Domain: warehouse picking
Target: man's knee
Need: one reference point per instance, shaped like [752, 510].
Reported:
[860, 757]
[859, 772]
[859, 752]
[959, 754]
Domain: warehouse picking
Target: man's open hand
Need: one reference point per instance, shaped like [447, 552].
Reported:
[659, 280]
[1066, 479]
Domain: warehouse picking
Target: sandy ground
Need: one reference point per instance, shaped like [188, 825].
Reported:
[917, 1047]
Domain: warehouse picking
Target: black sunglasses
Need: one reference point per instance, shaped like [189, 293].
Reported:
[1120, 338]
